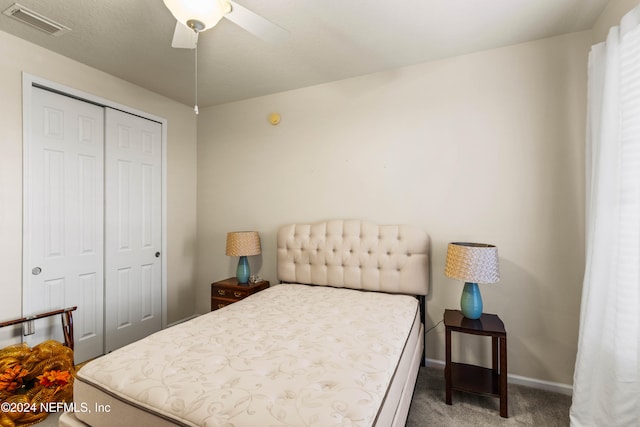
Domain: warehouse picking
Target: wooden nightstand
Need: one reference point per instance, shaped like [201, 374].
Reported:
[228, 291]
[476, 379]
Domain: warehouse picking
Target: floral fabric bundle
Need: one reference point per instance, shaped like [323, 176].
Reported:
[33, 378]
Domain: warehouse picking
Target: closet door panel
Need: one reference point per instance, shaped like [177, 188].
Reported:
[63, 218]
[133, 279]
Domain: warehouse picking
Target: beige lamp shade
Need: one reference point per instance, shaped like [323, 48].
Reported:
[472, 262]
[243, 243]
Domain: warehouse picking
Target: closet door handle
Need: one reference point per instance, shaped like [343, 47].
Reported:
[36, 270]
[157, 254]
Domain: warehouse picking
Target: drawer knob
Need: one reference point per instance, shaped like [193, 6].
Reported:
[221, 305]
[221, 292]
[237, 294]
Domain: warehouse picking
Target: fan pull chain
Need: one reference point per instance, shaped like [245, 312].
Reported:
[195, 108]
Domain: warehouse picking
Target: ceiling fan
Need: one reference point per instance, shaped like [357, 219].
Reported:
[196, 16]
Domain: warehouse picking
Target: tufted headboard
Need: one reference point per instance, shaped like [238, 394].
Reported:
[355, 254]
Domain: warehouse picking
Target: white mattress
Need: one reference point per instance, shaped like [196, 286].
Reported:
[290, 355]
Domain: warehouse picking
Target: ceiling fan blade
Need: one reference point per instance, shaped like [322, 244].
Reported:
[256, 24]
[184, 37]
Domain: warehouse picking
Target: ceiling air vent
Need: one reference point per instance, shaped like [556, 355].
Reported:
[28, 16]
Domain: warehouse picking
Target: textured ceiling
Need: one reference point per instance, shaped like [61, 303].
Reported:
[329, 39]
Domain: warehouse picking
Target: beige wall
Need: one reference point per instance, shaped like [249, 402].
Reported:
[17, 56]
[485, 147]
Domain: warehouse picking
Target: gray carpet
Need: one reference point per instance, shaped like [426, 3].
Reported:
[527, 406]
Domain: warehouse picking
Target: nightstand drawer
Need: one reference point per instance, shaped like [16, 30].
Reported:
[228, 291]
[235, 294]
[217, 303]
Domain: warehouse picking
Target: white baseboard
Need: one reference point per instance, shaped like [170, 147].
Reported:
[565, 389]
[193, 316]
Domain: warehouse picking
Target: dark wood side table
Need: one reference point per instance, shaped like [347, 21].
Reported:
[228, 291]
[477, 379]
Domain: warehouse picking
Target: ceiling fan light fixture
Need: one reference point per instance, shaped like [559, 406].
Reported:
[195, 25]
[205, 12]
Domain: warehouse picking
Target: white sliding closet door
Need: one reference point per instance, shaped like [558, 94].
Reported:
[133, 281]
[92, 231]
[63, 218]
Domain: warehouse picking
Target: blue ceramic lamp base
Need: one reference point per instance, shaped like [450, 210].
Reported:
[242, 272]
[471, 301]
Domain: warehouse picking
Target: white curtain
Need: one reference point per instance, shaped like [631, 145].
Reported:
[606, 389]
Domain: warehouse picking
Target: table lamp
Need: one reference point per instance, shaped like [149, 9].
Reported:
[474, 263]
[243, 244]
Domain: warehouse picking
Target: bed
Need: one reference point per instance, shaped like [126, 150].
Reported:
[337, 343]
